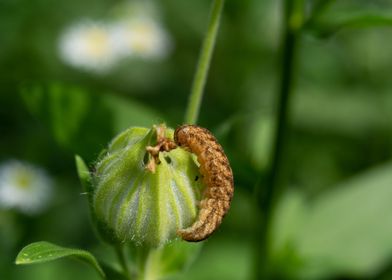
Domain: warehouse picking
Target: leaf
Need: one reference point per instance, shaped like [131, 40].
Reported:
[33, 98]
[43, 251]
[128, 113]
[78, 120]
[346, 231]
[83, 173]
[229, 258]
[64, 108]
[177, 256]
[329, 25]
[331, 16]
[68, 107]
[260, 134]
[353, 113]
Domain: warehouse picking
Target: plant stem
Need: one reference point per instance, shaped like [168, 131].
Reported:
[294, 16]
[122, 260]
[148, 262]
[199, 81]
[151, 270]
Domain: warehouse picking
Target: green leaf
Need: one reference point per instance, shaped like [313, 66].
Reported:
[344, 231]
[77, 119]
[331, 16]
[83, 173]
[177, 256]
[127, 112]
[68, 107]
[40, 252]
[225, 258]
[259, 138]
[329, 25]
[81, 120]
[33, 98]
[65, 108]
[353, 113]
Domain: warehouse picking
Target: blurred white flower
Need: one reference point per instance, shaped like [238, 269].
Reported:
[89, 45]
[99, 46]
[24, 187]
[141, 37]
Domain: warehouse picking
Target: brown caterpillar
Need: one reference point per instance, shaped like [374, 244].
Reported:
[217, 176]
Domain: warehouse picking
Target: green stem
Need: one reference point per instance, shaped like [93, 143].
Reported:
[122, 260]
[151, 269]
[148, 261]
[199, 81]
[294, 17]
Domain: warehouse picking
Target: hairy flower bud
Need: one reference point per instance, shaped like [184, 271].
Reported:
[141, 196]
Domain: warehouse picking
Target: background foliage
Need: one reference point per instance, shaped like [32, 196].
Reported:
[332, 221]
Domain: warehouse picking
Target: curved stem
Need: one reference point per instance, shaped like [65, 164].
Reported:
[294, 17]
[199, 81]
[122, 260]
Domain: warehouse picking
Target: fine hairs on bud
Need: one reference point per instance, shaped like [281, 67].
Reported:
[144, 188]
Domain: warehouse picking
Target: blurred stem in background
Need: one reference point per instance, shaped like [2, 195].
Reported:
[199, 81]
[293, 21]
[123, 261]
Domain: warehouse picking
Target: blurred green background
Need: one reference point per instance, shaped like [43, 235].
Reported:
[334, 221]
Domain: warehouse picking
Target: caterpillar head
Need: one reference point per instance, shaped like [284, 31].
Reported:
[182, 133]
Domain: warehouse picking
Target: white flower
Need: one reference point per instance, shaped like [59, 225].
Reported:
[141, 36]
[89, 45]
[99, 46]
[24, 187]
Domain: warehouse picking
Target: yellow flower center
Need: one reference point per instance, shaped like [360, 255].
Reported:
[97, 42]
[23, 180]
[143, 37]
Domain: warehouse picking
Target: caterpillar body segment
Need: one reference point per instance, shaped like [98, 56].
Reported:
[217, 177]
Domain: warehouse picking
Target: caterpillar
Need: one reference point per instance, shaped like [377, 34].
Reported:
[217, 177]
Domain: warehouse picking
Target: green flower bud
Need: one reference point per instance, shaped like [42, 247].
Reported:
[136, 202]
